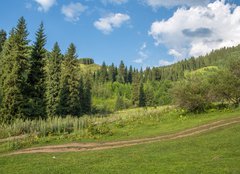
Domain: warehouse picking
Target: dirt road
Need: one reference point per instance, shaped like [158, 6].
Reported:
[77, 147]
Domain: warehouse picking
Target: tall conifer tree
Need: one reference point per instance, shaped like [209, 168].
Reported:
[36, 78]
[15, 73]
[53, 73]
[70, 103]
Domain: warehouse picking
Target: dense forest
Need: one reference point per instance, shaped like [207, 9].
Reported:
[37, 83]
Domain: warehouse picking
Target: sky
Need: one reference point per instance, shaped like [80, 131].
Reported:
[142, 33]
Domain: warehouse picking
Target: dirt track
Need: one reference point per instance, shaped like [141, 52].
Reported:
[77, 147]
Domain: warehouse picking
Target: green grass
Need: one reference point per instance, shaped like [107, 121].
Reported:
[214, 152]
[128, 124]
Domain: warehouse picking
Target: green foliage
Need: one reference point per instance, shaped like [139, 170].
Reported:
[142, 99]
[194, 92]
[53, 73]
[15, 66]
[86, 61]
[69, 84]
[36, 76]
[3, 38]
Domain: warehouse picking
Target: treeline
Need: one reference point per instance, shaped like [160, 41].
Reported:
[36, 83]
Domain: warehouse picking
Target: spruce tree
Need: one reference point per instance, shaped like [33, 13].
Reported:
[130, 72]
[135, 88]
[70, 103]
[142, 100]
[53, 73]
[36, 78]
[3, 37]
[87, 96]
[15, 72]
[103, 73]
[121, 73]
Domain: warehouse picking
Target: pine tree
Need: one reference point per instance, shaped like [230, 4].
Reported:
[53, 73]
[15, 72]
[135, 88]
[130, 72]
[112, 74]
[121, 73]
[142, 99]
[87, 96]
[36, 78]
[70, 103]
[103, 73]
[3, 37]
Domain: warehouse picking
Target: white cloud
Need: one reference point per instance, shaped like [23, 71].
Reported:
[142, 54]
[73, 11]
[198, 30]
[165, 62]
[111, 21]
[172, 3]
[45, 5]
[118, 2]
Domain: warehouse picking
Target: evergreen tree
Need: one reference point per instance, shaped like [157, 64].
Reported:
[53, 73]
[103, 73]
[70, 103]
[142, 99]
[87, 96]
[36, 78]
[135, 88]
[3, 37]
[112, 73]
[121, 73]
[14, 73]
[130, 72]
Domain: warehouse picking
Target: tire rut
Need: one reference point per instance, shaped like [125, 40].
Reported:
[79, 147]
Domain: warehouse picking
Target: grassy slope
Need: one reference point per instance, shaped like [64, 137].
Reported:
[215, 152]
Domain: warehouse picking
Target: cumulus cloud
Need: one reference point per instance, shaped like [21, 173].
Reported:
[73, 11]
[173, 3]
[118, 2]
[111, 21]
[142, 54]
[45, 5]
[198, 30]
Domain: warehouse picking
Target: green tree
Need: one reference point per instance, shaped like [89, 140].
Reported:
[36, 77]
[135, 88]
[15, 72]
[103, 73]
[119, 105]
[70, 103]
[142, 99]
[87, 107]
[3, 38]
[121, 73]
[53, 73]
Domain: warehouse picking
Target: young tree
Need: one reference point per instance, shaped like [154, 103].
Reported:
[36, 77]
[14, 73]
[53, 73]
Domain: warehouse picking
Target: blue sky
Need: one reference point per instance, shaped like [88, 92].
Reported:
[139, 32]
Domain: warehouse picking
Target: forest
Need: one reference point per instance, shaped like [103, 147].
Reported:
[38, 83]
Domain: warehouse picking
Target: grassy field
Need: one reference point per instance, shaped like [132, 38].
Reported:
[214, 152]
[124, 125]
